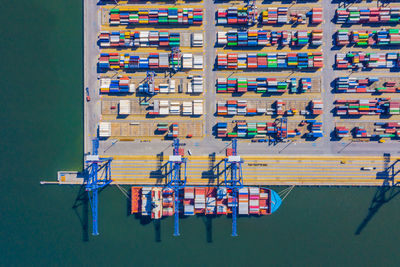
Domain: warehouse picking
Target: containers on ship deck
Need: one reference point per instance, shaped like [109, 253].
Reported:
[159, 202]
[135, 199]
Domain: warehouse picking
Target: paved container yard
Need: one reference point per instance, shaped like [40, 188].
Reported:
[136, 134]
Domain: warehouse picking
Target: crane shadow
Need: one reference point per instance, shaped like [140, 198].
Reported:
[157, 230]
[207, 220]
[213, 173]
[160, 173]
[384, 194]
[81, 209]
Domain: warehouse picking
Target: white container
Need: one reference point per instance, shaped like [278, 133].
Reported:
[104, 129]
[124, 107]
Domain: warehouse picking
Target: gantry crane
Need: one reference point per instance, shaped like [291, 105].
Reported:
[93, 182]
[148, 86]
[234, 180]
[176, 54]
[251, 12]
[176, 181]
[281, 129]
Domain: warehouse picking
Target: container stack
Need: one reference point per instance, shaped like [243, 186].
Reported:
[275, 15]
[211, 203]
[222, 38]
[317, 107]
[120, 85]
[316, 15]
[175, 131]
[222, 129]
[124, 107]
[222, 61]
[198, 61]
[394, 108]
[355, 60]
[305, 85]
[146, 201]
[391, 129]
[187, 61]
[188, 201]
[198, 107]
[234, 107]
[358, 15]
[388, 87]
[175, 108]
[167, 202]
[342, 37]
[254, 200]
[315, 129]
[361, 132]
[254, 38]
[270, 60]
[355, 85]
[197, 85]
[171, 16]
[235, 15]
[279, 104]
[367, 107]
[162, 127]
[243, 201]
[261, 85]
[222, 85]
[105, 129]
[368, 37]
[221, 201]
[362, 38]
[342, 132]
[301, 38]
[187, 108]
[152, 61]
[241, 128]
[316, 37]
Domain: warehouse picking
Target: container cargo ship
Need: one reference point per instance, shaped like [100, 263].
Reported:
[160, 202]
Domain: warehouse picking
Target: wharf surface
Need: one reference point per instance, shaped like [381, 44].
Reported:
[301, 170]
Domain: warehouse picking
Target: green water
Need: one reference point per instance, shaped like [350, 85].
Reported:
[41, 66]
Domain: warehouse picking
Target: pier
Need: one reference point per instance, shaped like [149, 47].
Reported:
[257, 170]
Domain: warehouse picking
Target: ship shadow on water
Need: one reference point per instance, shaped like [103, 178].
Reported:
[384, 193]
